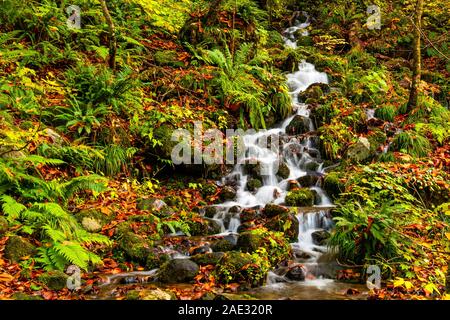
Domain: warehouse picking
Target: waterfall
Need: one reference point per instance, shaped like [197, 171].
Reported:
[298, 153]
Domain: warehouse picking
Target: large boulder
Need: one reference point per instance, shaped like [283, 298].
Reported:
[298, 125]
[302, 197]
[360, 151]
[163, 133]
[286, 223]
[17, 248]
[204, 226]
[333, 185]
[272, 210]
[178, 271]
[210, 258]
[296, 273]
[248, 215]
[309, 179]
[254, 184]
[54, 280]
[283, 170]
[314, 92]
[134, 246]
[155, 259]
[223, 245]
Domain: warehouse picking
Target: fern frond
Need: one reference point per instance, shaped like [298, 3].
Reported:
[11, 208]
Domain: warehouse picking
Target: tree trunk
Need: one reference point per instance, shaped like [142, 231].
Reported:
[112, 35]
[412, 103]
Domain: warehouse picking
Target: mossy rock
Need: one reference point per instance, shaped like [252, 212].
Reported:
[168, 58]
[243, 268]
[210, 211]
[333, 185]
[308, 180]
[208, 190]
[302, 197]
[320, 237]
[298, 125]
[150, 294]
[248, 215]
[360, 151]
[283, 170]
[287, 223]
[135, 247]
[178, 271]
[274, 243]
[209, 258]
[254, 170]
[227, 193]
[164, 134]
[202, 227]
[54, 280]
[157, 206]
[92, 220]
[254, 184]
[272, 210]
[155, 259]
[3, 226]
[23, 296]
[314, 92]
[17, 248]
[222, 245]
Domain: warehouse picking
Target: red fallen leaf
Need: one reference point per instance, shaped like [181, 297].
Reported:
[47, 295]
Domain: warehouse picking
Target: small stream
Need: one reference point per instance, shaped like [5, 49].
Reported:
[301, 155]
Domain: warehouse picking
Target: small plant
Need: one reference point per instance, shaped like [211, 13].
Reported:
[412, 143]
[386, 113]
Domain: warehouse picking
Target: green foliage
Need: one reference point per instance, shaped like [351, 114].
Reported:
[412, 143]
[386, 113]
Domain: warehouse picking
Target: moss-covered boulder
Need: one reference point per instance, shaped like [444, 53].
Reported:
[254, 170]
[272, 210]
[274, 243]
[244, 268]
[163, 134]
[3, 226]
[309, 180]
[155, 259]
[210, 258]
[54, 280]
[296, 272]
[227, 193]
[254, 184]
[178, 271]
[210, 211]
[298, 125]
[360, 151]
[17, 248]
[134, 246]
[333, 185]
[314, 92]
[248, 215]
[203, 226]
[222, 245]
[92, 220]
[302, 197]
[287, 223]
[283, 170]
[157, 206]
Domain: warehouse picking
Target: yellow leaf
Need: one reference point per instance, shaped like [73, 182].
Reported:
[447, 234]
[399, 282]
[408, 285]
[4, 277]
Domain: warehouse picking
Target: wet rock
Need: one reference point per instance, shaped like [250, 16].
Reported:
[54, 280]
[156, 206]
[298, 125]
[311, 166]
[333, 185]
[309, 180]
[255, 170]
[293, 184]
[302, 197]
[222, 245]
[360, 151]
[3, 226]
[320, 237]
[314, 92]
[286, 223]
[272, 210]
[254, 184]
[150, 294]
[227, 193]
[296, 273]
[210, 211]
[155, 259]
[211, 258]
[299, 254]
[17, 248]
[246, 226]
[178, 271]
[248, 215]
[203, 227]
[134, 246]
[201, 250]
[208, 190]
[283, 170]
[235, 209]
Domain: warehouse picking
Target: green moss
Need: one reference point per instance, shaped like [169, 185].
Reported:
[168, 58]
[283, 170]
[54, 280]
[210, 258]
[134, 246]
[412, 143]
[155, 260]
[201, 227]
[246, 268]
[287, 223]
[274, 243]
[333, 185]
[3, 226]
[302, 197]
[24, 296]
[17, 248]
[254, 184]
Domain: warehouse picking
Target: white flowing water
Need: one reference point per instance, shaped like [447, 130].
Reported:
[298, 152]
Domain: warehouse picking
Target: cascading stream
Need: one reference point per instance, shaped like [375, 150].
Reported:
[299, 153]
